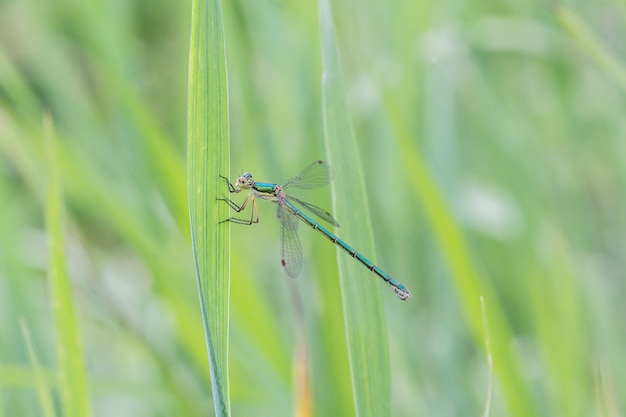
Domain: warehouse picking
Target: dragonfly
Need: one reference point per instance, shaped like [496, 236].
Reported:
[318, 174]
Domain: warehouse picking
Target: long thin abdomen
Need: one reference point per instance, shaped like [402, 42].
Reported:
[397, 287]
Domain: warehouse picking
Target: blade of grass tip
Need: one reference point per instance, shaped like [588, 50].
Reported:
[468, 282]
[41, 384]
[607, 60]
[73, 383]
[207, 159]
[365, 329]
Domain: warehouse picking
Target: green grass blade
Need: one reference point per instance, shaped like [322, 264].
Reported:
[606, 59]
[470, 286]
[365, 329]
[489, 359]
[2, 384]
[207, 159]
[168, 164]
[41, 383]
[73, 383]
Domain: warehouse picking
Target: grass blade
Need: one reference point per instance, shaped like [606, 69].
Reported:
[41, 384]
[73, 384]
[581, 33]
[471, 287]
[489, 359]
[365, 330]
[207, 159]
[1, 392]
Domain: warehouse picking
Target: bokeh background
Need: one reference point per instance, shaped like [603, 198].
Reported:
[516, 108]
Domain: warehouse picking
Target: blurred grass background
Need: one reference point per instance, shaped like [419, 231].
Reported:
[516, 112]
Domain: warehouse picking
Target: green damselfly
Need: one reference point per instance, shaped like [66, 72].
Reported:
[318, 174]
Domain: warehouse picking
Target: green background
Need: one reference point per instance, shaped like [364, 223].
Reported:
[515, 108]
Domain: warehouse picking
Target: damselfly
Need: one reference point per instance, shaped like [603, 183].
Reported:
[318, 174]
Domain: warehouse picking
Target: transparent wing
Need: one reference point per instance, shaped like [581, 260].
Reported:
[319, 212]
[290, 248]
[316, 175]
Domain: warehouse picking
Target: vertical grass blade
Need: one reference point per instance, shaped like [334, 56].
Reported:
[207, 159]
[363, 315]
[489, 359]
[470, 286]
[1, 391]
[73, 384]
[581, 33]
[41, 385]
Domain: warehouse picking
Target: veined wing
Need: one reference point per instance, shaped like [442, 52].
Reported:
[316, 175]
[290, 248]
[319, 212]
